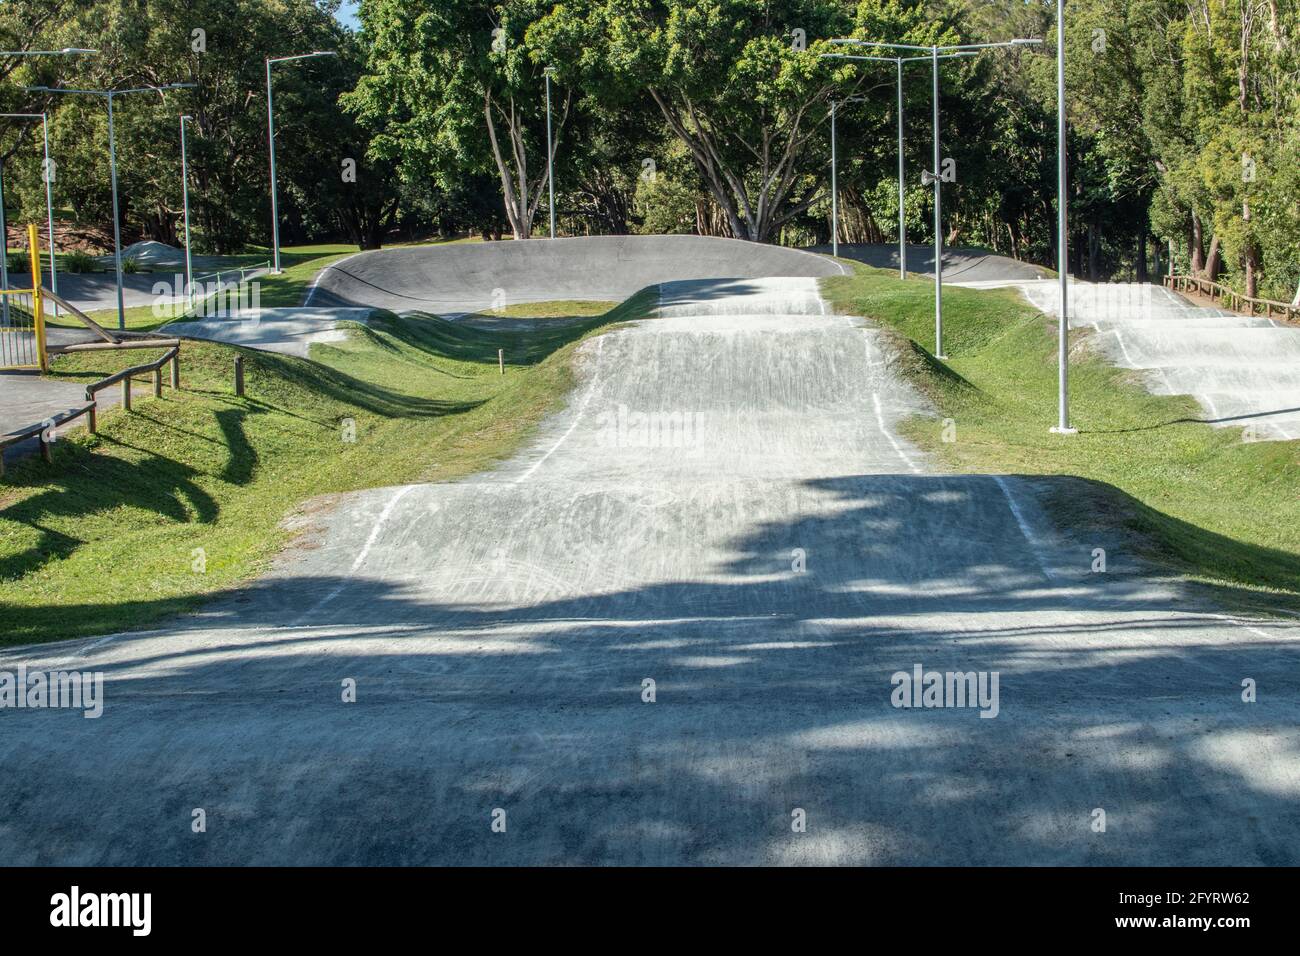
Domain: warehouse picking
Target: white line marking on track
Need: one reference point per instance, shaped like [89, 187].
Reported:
[1025, 530]
[361, 557]
[1242, 624]
[1128, 358]
[880, 420]
[379, 526]
[320, 275]
[586, 399]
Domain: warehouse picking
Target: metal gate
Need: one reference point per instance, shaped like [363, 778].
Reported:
[22, 319]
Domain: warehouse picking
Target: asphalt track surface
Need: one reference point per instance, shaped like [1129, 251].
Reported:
[290, 331]
[500, 630]
[97, 291]
[477, 277]
[1245, 372]
[960, 263]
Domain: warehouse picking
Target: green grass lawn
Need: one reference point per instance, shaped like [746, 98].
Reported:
[1186, 495]
[103, 539]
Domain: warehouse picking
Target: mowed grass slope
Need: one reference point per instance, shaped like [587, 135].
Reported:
[1195, 498]
[104, 539]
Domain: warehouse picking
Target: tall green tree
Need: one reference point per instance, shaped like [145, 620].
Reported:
[457, 88]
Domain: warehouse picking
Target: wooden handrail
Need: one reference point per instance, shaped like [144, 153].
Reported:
[39, 431]
[91, 408]
[126, 373]
[1289, 311]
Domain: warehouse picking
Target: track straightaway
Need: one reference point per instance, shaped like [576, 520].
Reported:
[726, 510]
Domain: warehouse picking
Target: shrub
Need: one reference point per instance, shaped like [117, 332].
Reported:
[78, 262]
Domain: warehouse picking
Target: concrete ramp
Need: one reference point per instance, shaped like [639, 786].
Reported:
[290, 331]
[474, 277]
[1244, 371]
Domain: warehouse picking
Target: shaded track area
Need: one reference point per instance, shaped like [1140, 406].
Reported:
[500, 630]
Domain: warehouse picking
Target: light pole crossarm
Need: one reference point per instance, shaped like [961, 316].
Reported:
[876, 43]
[109, 96]
[851, 56]
[941, 56]
[270, 142]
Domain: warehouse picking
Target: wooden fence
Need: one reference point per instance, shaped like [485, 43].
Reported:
[1233, 299]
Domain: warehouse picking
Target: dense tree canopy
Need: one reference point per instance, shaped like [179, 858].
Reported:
[707, 116]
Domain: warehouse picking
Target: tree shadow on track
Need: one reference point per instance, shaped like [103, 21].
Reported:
[772, 692]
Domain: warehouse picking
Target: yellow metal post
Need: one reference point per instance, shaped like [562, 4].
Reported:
[38, 307]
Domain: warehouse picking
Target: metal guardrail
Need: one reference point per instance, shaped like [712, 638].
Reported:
[1232, 298]
[197, 281]
[22, 335]
[91, 408]
[22, 317]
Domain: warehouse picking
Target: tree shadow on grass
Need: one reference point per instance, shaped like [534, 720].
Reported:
[349, 390]
[83, 482]
[1180, 545]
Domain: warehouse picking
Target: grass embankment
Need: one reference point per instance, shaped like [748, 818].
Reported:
[103, 539]
[1144, 467]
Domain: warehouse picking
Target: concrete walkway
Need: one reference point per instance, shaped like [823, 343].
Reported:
[665, 632]
[290, 331]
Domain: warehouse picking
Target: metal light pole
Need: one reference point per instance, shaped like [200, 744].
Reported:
[110, 95]
[48, 176]
[938, 217]
[270, 138]
[4, 247]
[117, 227]
[185, 198]
[902, 221]
[934, 54]
[1063, 426]
[902, 216]
[835, 197]
[550, 151]
[4, 226]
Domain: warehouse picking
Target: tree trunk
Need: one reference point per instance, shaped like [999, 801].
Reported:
[1143, 268]
[1214, 261]
[1251, 256]
[1196, 246]
[513, 202]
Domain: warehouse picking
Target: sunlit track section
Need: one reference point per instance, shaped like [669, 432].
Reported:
[1244, 371]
